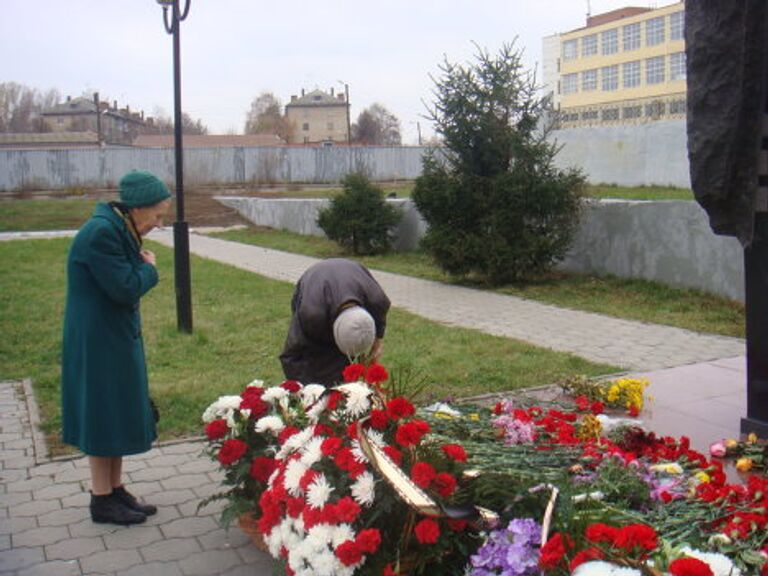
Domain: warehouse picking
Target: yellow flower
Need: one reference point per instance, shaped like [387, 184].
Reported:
[752, 438]
[702, 477]
[667, 468]
[589, 427]
[474, 417]
[730, 443]
[744, 464]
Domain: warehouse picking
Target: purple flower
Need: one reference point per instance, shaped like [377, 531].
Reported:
[510, 551]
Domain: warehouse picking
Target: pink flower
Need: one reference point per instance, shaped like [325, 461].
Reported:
[717, 449]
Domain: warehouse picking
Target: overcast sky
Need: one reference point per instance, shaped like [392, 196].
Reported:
[232, 50]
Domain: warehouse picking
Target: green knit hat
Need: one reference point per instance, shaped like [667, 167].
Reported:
[139, 188]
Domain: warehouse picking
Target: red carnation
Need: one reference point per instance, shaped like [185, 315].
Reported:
[322, 430]
[352, 430]
[457, 525]
[255, 404]
[286, 433]
[231, 451]
[597, 408]
[291, 385]
[634, 411]
[379, 419]
[307, 478]
[216, 429]
[427, 531]
[295, 506]
[347, 510]
[636, 536]
[410, 433]
[376, 374]
[455, 452]
[311, 517]
[553, 552]
[445, 484]
[333, 400]
[422, 474]
[331, 446]
[399, 408]
[599, 532]
[585, 556]
[689, 567]
[368, 540]
[353, 373]
[348, 553]
[262, 468]
[582, 403]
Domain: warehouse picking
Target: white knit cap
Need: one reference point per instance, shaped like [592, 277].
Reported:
[354, 331]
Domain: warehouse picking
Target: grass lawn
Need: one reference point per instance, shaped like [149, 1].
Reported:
[45, 214]
[623, 298]
[606, 191]
[240, 322]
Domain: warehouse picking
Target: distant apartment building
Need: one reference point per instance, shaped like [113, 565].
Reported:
[624, 66]
[112, 125]
[318, 117]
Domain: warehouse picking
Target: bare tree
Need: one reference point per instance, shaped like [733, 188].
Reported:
[21, 106]
[377, 126]
[162, 124]
[266, 117]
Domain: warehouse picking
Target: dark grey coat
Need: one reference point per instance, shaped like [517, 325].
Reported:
[310, 354]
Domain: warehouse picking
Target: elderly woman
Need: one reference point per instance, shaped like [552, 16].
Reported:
[106, 410]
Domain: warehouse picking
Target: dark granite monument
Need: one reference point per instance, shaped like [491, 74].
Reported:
[727, 71]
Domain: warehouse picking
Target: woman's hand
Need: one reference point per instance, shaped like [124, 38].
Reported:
[149, 257]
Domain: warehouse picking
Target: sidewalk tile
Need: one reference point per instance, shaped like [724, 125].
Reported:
[209, 562]
[170, 549]
[74, 548]
[39, 536]
[53, 568]
[112, 560]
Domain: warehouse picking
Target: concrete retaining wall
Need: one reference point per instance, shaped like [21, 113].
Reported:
[668, 242]
[653, 153]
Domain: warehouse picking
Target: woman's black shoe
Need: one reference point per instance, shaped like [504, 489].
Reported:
[108, 509]
[130, 500]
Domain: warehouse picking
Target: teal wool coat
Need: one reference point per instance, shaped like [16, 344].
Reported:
[104, 391]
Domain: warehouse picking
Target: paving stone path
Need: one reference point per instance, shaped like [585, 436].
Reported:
[46, 530]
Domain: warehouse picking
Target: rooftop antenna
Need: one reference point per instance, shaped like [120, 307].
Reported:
[589, 9]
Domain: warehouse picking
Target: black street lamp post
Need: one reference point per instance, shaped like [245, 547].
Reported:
[180, 226]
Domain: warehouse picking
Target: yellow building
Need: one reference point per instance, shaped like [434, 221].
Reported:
[318, 117]
[627, 65]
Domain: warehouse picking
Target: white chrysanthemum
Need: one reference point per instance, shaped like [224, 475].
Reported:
[357, 398]
[273, 424]
[319, 536]
[358, 453]
[293, 474]
[274, 394]
[718, 539]
[317, 409]
[311, 393]
[376, 437]
[295, 442]
[318, 492]
[256, 384]
[326, 563]
[720, 564]
[312, 451]
[275, 539]
[364, 489]
[599, 568]
[220, 407]
[340, 534]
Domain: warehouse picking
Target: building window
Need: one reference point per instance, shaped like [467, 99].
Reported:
[676, 25]
[677, 107]
[570, 49]
[570, 83]
[305, 126]
[632, 112]
[589, 45]
[677, 66]
[655, 109]
[654, 70]
[654, 31]
[631, 37]
[329, 126]
[610, 41]
[631, 74]
[610, 75]
[610, 114]
[588, 80]
[589, 115]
